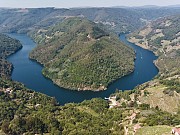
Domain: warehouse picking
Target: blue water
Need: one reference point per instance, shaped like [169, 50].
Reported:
[29, 73]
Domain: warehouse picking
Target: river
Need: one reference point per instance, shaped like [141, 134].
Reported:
[29, 73]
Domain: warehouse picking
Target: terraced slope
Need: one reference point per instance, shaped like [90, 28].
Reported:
[81, 55]
[163, 38]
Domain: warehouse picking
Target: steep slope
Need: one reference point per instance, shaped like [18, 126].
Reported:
[79, 54]
[163, 93]
[163, 38]
[8, 46]
[24, 111]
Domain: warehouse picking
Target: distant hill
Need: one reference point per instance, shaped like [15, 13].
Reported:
[174, 6]
[116, 18]
[79, 54]
[8, 46]
[149, 6]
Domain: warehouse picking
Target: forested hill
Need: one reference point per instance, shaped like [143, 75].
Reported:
[118, 19]
[8, 46]
[79, 54]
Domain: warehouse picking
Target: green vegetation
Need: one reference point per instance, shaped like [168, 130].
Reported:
[25, 111]
[143, 106]
[172, 85]
[79, 54]
[160, 35]
[117, 19]
[155, 130]
[163, 37]
[70, 47]
[8, 46]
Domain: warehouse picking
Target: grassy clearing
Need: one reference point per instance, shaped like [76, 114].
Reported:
[154, 130]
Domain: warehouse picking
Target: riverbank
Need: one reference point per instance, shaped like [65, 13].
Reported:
[144, 46]
[30, 73]
[136, 41]
[8, 47]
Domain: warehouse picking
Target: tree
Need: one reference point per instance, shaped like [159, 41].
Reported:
[35, 125]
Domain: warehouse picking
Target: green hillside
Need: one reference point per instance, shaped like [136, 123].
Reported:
[8, 46]
[79, 54]
[160, 36]
[24, 111]
[163, 38]
[77, 48]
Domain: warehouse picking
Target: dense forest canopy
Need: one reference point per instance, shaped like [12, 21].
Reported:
[24, 111]
[79, 54]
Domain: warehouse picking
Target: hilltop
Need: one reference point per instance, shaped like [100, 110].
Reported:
[82, 55]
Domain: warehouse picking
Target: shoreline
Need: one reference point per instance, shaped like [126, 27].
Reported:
[146, 48]
[61, 94]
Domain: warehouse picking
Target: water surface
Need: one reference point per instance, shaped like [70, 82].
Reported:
[29, 73]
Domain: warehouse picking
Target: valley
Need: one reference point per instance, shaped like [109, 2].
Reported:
[29, 73]
[151, 106]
